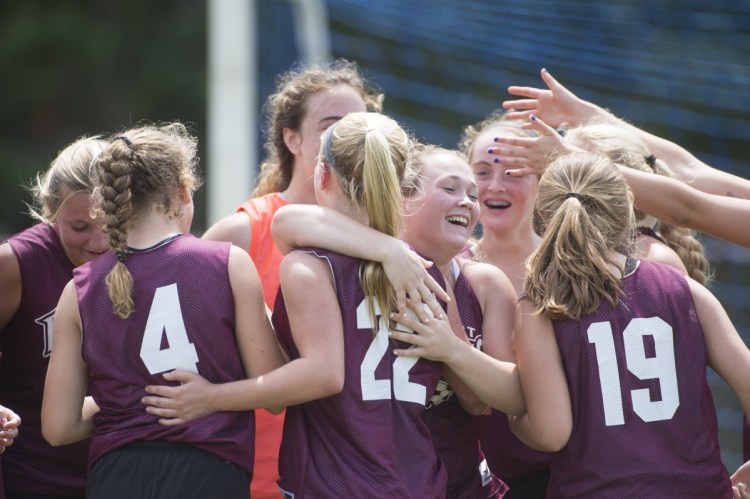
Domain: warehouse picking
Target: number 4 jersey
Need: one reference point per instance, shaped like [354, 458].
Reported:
[369, 440]
[183, 319]
[644, 422]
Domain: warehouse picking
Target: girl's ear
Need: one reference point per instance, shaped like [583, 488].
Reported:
[293, 140]
[186, 195]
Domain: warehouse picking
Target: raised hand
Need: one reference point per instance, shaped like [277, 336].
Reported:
[531, 155]
[556, 105]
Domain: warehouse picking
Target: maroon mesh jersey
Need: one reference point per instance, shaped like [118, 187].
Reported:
[451, 426]
[31, 465]
[506, 455]
[183, 319]
[644, 422]
[370, 439]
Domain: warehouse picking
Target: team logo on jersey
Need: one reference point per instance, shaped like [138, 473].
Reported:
[443, 393]
[46, 322]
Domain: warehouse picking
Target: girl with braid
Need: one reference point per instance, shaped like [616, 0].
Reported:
[35, 266]
[353, 424]
[159, 300]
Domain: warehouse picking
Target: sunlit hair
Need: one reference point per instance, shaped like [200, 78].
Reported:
[419, 157]
[625, 148]
[367, 155]
[142, 169]
[497, 119]
[588, 209]
[287, 108]
[72, 171]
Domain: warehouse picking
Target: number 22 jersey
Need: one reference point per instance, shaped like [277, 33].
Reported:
[644, 422]
[369, 440]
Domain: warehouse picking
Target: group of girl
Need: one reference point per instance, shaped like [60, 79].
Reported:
[555, 356]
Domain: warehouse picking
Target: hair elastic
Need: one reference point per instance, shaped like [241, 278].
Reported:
[579, 197]
[651, 160]
[121, 257]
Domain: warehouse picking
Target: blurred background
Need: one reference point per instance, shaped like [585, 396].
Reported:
[677, 68]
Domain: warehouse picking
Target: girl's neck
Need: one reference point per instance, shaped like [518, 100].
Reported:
[300, 190]
[153, 228]
[509, 253]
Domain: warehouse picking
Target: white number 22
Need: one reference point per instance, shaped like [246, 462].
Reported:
[380, 389]
[661, 367]
[165, 317]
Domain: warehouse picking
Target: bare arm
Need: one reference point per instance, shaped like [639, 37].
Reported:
[558, 106]
[548, 421]
[497, 298]
[679, 204]
[319, 372]
[65, 418]
[10, 284]
[299, 225]
[234, 228]
[493, 381]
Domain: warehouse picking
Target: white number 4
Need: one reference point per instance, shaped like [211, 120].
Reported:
[661, 367]
[165, 317]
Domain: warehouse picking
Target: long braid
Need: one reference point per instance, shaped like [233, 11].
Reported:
[115, 169]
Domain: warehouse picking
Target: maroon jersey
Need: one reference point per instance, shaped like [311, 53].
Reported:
[644, 422]
[369, 440]
[451, 426]
[183, 319]
[31, 465]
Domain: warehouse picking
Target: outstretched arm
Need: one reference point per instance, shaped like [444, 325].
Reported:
[558, 106]
[679, 204]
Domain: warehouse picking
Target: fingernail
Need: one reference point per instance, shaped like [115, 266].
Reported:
[496, 160]
[507, 172]
[496, 139]
[489, 150]
[533, 118]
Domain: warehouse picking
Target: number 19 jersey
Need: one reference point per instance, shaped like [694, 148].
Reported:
[644, 422]
[369, 440]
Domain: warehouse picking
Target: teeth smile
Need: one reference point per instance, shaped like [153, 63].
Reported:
[491, 204]
[458, 220]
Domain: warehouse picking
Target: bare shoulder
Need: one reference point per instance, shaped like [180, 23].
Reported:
[650, 248]
[486, 279]
[234, 228]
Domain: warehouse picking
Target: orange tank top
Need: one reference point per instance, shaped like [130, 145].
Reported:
[266, 256]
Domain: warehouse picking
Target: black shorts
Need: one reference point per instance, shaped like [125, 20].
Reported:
[164, 470]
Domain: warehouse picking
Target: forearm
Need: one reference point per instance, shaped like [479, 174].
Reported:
[493, 381]
[296, 226]
[294, 383]
[535, 435]
[469, 401]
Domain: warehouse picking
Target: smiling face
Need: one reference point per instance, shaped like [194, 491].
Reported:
[324, 108]
[507, 202]
[81, 236]
[442, 215]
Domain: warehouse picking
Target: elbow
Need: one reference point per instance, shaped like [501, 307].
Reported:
[55, 437]
[552, 441]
